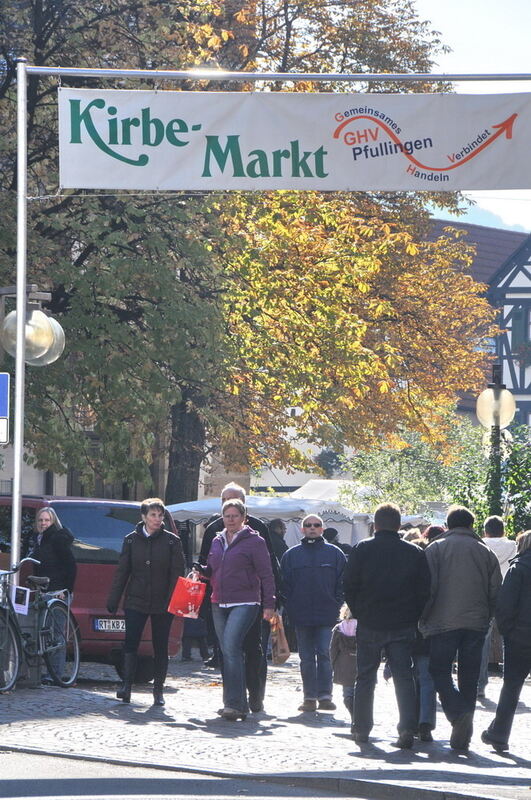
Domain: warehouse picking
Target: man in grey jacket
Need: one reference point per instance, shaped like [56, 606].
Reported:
[465, 579]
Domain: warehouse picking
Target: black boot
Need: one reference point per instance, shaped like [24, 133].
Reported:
[159, 676]
[124, 692]
[158, 697]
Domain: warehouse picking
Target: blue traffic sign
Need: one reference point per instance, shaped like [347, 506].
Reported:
[4, 407]
[4, 394]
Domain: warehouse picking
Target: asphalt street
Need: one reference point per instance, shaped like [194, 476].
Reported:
[44, 777]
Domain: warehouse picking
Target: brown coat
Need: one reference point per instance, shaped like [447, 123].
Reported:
[343, 655]
[148, 569]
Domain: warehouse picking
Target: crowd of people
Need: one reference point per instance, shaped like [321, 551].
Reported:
[431, 605]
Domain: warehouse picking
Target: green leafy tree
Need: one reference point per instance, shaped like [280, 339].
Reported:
[330, 462]
[417, 472]
[517, 470]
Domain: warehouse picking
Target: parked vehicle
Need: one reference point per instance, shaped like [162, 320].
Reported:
[99, 527]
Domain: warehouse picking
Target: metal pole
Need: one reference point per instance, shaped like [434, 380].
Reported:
[222, 75]
[495, 445]
[22, 191]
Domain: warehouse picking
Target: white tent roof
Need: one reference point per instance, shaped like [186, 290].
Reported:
[267, 508]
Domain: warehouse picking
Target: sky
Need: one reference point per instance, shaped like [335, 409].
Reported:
[486, 36]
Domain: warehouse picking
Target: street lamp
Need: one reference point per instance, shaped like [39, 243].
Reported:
[495, 410]
[44, 338]
[33, 338]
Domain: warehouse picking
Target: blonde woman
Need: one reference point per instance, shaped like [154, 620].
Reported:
[53, 548]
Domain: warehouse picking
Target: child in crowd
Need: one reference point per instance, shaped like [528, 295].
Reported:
[343, 656]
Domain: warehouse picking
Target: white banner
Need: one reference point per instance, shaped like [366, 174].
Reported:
[113, 139]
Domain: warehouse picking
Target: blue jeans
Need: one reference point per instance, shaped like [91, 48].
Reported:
[231, 626]
[466, 646]
[426, 692]
[398, 647]
[484, 669]
[516, 668]
[348, 699]
[316, 668]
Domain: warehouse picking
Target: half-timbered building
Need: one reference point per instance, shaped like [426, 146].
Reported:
[503, 262]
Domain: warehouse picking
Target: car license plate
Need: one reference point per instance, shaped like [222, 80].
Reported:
[113, 625]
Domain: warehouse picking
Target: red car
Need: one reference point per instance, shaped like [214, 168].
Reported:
[99, 527]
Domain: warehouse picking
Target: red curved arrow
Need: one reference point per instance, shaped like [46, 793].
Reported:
[503, 127]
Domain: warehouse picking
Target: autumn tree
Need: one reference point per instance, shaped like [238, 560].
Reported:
[351, 320]
[216, 313]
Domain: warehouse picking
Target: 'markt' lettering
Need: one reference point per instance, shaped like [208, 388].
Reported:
[261, 164]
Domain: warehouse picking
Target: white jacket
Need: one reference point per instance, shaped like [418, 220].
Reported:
[503, 548]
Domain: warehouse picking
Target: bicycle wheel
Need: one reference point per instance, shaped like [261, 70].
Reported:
[9, 654]
[60, 644]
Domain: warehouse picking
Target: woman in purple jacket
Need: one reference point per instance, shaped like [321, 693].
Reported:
[239, 568]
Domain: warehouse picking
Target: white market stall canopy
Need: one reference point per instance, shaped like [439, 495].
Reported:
[267, 508]
[328, 489]
[351, 526]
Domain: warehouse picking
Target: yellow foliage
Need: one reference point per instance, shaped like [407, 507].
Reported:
[360, 326]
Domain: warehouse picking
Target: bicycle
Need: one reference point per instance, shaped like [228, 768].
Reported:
[57, 639]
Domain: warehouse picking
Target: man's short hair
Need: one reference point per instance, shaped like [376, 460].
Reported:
[494, 527]
[387, 517]
[234, 487]
[459, 517]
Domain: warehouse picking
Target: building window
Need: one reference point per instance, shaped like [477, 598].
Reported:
[519, 328]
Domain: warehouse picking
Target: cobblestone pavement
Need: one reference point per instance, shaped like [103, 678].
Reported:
[88, 721]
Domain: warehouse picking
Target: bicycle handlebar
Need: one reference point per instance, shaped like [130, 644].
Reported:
[17, 566]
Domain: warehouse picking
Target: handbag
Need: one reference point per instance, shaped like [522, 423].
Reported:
[279, 643]
[187, 596]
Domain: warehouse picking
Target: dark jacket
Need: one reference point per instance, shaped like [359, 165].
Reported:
[513, 606]
[312, 574]
[345, 548]
[279, 545]
[56, 557]
[148, 569]
[241, 572]
[387, 582]
[343, 655]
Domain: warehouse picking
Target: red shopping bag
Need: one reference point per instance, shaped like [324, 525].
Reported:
[187, 596]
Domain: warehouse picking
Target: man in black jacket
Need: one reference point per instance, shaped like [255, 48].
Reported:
[255, 643]
[387, 584]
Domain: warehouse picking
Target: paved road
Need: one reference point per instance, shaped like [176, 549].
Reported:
[46, 777]
[188, 735]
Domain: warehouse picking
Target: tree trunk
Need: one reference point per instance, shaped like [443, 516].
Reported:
[186, 452]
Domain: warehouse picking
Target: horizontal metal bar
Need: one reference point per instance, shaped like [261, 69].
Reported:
[10, 291]
[221, 75]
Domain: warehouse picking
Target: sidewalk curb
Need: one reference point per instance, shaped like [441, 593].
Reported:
[342, 786]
